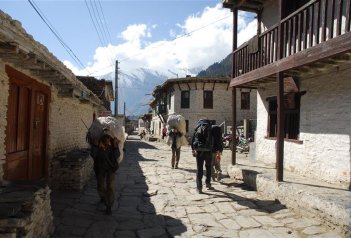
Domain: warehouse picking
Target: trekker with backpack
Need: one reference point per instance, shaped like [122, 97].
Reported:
[202, 149]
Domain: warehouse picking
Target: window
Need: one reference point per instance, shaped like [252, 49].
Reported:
[245, 100]
[169, 100]
[185, 99]
[208, 99]
[292, 116]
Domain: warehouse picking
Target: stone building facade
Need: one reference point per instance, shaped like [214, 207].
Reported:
[323, 147]
[70, 105]
[171, 92]
[300, 66]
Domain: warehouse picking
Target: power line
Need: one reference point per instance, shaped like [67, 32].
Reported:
[103, 15]
[57, 35]
[92, 20]
[102, 23]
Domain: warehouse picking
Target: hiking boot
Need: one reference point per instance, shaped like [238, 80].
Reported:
[199, 190]
[219, 176]
[176, 166]
[209, 187]
[108, 210]
[213, 178]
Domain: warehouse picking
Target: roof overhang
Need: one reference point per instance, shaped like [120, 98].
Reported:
[244, 5]
[20, 51]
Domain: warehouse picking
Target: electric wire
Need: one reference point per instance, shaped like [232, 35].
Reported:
[57, 35]
[101, 23]
[103, 15]
[92, 20]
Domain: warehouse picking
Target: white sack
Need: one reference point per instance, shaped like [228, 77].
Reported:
[107, 126]
[177, 121]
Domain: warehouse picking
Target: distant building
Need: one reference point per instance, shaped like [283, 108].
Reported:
[200, 97]
[102, 88]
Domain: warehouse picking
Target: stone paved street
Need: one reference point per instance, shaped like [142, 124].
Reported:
[154, 200]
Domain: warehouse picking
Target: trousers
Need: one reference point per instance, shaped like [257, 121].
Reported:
[201, 158]
[175, 156]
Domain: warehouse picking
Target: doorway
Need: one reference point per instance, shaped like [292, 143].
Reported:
[27, 125]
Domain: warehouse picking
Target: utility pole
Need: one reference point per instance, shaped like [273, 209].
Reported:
[124, 109]
[116, 89]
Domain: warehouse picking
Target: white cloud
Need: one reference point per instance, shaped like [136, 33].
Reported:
[202, 39]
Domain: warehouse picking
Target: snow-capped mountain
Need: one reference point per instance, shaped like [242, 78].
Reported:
[135, 88]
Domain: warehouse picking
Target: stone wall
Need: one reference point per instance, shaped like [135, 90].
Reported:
[222, 104]
[324, 128]
[25, 211]
[4, 92]
[71, 170]
[67, 124]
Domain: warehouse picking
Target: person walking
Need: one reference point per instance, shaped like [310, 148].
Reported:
[174, 135]
[105, 156]
[217, 149]
[201, 145]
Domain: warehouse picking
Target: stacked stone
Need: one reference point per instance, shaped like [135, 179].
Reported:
[26, 212]
[71, 171]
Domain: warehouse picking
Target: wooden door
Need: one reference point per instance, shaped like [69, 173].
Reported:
[17, 133]
[26, 130]
[39, 135]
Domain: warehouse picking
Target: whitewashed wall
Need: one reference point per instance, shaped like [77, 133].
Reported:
[325, 130]
[222, 104]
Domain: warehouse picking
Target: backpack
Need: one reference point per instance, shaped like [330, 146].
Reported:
[202, 139]
[217, 141]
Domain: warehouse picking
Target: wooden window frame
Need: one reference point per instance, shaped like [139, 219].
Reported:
[292, 105]
[185, 101]
[245, 100]
[208, 99]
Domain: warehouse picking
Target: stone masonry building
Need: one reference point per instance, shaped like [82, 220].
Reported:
[200, 97]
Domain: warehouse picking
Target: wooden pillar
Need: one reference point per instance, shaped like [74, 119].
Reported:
[280, 128]
[234, 126]
[280, 102]
[235, 46]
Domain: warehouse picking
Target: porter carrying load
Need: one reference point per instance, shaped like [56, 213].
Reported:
[176, 121]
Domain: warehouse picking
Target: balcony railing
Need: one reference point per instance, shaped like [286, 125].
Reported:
[314, 23]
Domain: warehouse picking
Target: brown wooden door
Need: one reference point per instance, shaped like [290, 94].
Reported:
[26, 129]
[39, 135]
[17, 136]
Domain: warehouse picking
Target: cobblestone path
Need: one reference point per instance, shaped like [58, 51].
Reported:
[154, 200]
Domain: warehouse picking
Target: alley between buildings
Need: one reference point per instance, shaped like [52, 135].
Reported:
[154, 200]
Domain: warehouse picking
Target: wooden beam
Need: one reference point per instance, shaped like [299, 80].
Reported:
[234, 126]
[330, 48]
[280, 128]
[214, 83]
[188, 86]
[235, 46]
[179, 87]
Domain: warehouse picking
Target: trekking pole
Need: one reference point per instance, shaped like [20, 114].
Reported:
[84, 124]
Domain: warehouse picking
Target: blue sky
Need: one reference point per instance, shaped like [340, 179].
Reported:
[164, 36]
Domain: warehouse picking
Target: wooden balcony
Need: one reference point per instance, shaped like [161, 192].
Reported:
[317, 32]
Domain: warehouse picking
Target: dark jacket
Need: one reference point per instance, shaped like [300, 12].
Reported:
[105, 160]
[174, 136]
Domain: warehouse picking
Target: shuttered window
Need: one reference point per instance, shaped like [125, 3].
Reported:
[208, 99]
[245, 100]
[185, 99]
[292, 116]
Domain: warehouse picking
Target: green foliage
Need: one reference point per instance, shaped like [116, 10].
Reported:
[223, 68]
